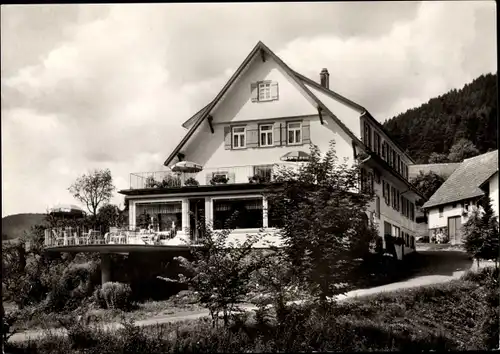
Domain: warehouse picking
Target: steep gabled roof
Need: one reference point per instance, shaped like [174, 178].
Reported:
[443, 169]
[203, 113]
[465, 181]
[195, 116]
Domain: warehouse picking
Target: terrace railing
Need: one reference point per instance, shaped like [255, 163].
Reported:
[208, 176]
[75, 236]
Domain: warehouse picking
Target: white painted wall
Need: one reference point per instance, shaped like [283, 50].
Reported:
[347, 115]
[237, 105]
[494, 193]
[208, 149]
[436, 221]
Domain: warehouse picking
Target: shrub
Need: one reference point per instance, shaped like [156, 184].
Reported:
[114, 295]
[76, 285]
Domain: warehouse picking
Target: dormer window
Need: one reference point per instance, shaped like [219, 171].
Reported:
[239, 138]
[263, 91]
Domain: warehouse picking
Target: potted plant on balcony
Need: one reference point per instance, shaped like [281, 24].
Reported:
[258, 179]
[150, 182]
[219, 179]
[170, 182]
[191, 182]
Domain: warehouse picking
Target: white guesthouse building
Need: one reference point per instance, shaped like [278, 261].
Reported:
[264, 111]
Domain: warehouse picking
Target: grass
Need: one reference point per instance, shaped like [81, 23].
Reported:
[459, 315]
[41, 320]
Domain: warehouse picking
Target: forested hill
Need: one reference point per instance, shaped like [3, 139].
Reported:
[469, 113]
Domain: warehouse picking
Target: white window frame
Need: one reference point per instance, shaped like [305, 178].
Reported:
[239, 134]
[267, 133]
[288, 130]
[264, 91]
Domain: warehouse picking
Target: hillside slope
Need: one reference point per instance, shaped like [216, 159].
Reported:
[13, 226]
[469, 113]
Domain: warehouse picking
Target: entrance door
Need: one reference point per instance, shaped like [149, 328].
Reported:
[196, 216]
[454, 229]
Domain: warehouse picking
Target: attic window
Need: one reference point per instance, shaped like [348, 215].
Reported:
[263, 91]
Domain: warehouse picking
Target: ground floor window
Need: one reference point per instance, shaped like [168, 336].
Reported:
[161, 216]
[249, 216]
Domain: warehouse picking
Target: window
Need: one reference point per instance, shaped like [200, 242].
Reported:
[384, 151]
[466, 206]
[406, 172]
[441, 209]
[376, 143]
[160, 216]
[239, 137]
[395, 231]
[265, 91]
[387, 192]
[394, 160]
[377, 206]
[368, 135]
[250, 213]
[412, 211]
[393, 197]
[266, 135]
[294, 133]
[398, 198]
[398, 165]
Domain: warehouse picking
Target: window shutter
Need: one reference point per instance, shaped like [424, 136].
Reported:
[252, 135]
[274, 90]
[283, 134]
[230, 177]
[227, 138]
[277, 134]
[306, 132]
[377, 206]
[254, 92]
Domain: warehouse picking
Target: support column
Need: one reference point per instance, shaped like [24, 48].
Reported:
[105, 268]
[131, 214]
[208, 210]
[185, 215]
[265, 213]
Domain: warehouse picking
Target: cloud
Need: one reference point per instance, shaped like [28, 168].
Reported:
[96, 86]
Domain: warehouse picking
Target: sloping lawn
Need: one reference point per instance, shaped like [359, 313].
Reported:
[460, 315]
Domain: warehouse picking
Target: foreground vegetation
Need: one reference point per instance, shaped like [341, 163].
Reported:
[460, 315]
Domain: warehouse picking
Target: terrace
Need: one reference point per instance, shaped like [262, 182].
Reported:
[253, 174]
[76, 237]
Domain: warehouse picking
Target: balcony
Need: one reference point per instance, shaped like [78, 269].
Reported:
[208, 176]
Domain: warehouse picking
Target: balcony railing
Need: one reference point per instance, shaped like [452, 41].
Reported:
[208, 176]
[75, 236]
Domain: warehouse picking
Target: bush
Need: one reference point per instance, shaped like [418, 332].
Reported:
[114, 295]
[74, 287]
[191, 182]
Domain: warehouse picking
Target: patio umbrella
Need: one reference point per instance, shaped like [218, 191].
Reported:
[186, 167]
[66, 210]
[296, 156]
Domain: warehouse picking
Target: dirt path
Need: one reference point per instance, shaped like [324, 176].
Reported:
[437, 267]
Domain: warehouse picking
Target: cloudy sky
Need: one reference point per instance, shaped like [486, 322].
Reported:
[95, 86]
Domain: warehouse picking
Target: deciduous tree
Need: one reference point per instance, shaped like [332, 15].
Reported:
[93, 189]
[325, 226]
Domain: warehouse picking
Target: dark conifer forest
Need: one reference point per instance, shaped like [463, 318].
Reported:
[468, 113]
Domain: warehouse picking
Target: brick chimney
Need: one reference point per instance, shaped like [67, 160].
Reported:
[324, 78]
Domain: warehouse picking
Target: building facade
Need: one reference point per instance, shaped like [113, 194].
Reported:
[265, 111]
